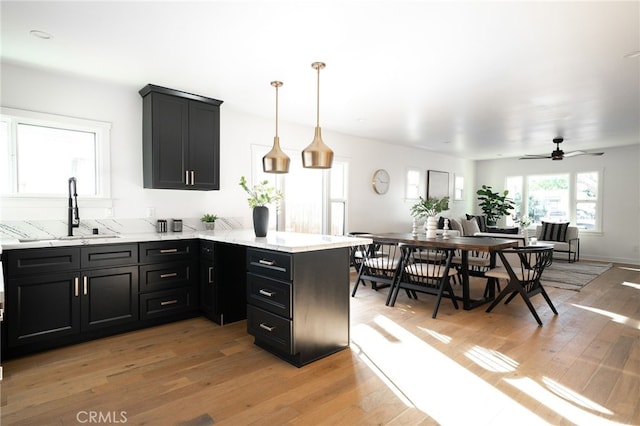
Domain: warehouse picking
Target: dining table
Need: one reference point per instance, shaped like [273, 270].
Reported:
[464, 245]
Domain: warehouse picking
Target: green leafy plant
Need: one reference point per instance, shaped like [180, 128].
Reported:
[429, 207]
[210, 218]
[260, 194]
[494, 205]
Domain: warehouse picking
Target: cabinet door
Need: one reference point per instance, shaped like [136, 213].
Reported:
[207, 306]
[204, 145]
[42, 308]
[109, 297]
[168, 142]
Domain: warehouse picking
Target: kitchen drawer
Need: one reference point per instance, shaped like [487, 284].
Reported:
[100, 256]
[42, 260]
[163, 276]
[269, 294]
[271, 329]
[169, 302]
[270, 263]
[167, 251]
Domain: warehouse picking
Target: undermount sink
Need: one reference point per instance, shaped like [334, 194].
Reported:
[72, 237]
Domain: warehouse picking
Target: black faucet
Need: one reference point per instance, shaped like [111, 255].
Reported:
[73, 216]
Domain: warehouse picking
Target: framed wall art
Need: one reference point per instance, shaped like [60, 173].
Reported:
[437, 184]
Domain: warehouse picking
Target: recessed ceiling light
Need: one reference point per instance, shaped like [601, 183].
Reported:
[41, 34]
[635, 54]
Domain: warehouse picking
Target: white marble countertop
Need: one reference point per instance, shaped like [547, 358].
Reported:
[281, 241]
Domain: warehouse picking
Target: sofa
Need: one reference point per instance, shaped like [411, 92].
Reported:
[563, 237]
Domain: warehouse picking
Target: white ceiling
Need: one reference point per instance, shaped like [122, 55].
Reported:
[474, 79]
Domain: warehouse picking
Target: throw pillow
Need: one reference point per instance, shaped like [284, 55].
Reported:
[470, 227]
[455, 225]
[482, 222]
[554, 231]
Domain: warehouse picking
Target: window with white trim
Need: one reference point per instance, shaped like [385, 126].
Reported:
[40, 152]
[564, 197]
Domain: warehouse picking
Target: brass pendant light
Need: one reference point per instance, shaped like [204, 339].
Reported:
[317, 155]
[276, 161]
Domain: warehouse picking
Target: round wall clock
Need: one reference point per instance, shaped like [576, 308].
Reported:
[380, 181]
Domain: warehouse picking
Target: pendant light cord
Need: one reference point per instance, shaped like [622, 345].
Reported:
[318, 101]
[276, 111]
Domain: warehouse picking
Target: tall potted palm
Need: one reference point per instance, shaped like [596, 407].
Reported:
[259, 196]
[428, 208]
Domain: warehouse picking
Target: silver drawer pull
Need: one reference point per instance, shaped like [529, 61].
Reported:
[173, 274]
[169, 302]
[266, 292]
[169, 251]
[266, 262]
[267, 327]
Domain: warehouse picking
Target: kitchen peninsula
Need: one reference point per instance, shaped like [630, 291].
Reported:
[295, 287]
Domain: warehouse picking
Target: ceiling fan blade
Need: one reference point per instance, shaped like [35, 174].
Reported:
[534, 157]
[576, 153]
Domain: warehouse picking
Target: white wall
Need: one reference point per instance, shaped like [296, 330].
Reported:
[620, 237]
[49, 92]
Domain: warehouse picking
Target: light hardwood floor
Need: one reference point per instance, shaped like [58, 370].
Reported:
[403, 367]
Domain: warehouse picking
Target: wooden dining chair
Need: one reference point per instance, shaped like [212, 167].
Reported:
[425, 271]
[522, 268]
[378, 264]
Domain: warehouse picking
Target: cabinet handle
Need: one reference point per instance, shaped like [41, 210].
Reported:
[84, 285]
[77, 285]
[193, 177]
[186, 177]
[210, 277]
[169, 251]
[172, 274]
[266, 292]
[266, 262]
[169, 302]
[267, 327]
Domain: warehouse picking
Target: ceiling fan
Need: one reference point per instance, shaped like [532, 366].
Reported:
[559, 154]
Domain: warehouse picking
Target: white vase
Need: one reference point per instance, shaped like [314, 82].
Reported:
[430, 226]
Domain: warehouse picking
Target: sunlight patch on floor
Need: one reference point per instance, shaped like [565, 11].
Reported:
[441, 337]
[627, 268]
[491, 360]
[621, 319]
[567, 409]
[566, 393]
[632, 285]
[435, 384]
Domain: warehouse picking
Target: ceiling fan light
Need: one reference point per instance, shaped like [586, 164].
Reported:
[276, 161]
[317, 155]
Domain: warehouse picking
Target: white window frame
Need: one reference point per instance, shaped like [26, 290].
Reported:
[102, 130]
[573, 199]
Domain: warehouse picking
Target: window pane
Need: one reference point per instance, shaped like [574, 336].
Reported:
[48, 157]
[338, 180]
[587, 186]
[337, 217]
[303, 198]
[413, 184]
[586, 215]
[514, 186]
[549, 198]
[5, 178]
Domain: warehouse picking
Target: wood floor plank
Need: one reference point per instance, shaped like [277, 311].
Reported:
[581, 367]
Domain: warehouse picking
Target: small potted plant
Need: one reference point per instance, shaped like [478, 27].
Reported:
[209, 221]
[259, 196]
[429, 208]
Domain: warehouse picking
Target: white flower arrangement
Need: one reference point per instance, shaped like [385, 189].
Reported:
[524, 221]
